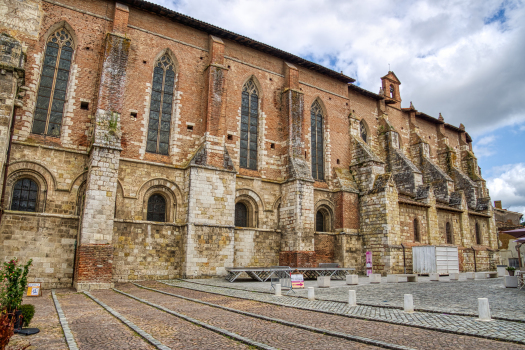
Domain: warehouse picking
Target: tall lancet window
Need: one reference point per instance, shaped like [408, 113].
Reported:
[363, 131]
[161, 106]
[317, 141]
[249, 125]
[53, 84]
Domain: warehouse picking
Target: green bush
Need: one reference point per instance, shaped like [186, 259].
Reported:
[13, 280]
[28, 311]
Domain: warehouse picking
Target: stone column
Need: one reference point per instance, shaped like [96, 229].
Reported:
[94, 257]
[297, 205]
[12, 72]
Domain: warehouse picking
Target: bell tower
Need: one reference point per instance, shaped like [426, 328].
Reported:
[391, 90]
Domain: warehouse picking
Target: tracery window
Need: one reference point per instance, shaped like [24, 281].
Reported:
[53, 84]
[249, 125]
[157, 208]
[316, 115]
[416, 231]
[25, 195]
[364, 133]
[319, 222]
[478, 234]
[241, 215]
[449, 233]
[161, 106]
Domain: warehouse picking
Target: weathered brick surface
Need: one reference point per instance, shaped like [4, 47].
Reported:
[98, 177]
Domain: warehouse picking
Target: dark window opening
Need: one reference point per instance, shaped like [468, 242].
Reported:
[249, 126]
[157, 208]
[319, 222]
[478, 234]
[272, 145]
[84, 105]
[25, 195]
[338, 161]
[133, 115]
[161, 106]
[392, 91]
[144, 62]
[362, 130]
[189, 127]
[416, 231]
[230, 137]
[449, 233]
[514, 262]
[52, 91]
[241, 215]
[317, 140]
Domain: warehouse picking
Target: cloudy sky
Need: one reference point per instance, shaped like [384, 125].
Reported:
[464, 58]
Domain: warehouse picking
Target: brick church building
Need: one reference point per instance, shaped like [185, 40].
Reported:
[140, 143]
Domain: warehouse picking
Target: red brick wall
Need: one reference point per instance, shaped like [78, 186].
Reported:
[94, 263]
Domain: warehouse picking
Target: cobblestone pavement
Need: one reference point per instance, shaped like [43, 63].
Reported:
[94, 328]
[272, 334]
[169, 330]
[401, 335]
[45, 319]
[496, 329]
[444, 296]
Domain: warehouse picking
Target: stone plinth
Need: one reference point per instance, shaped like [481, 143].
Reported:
[510, 281]
[375, 278]
[323, 281]
[352, 279]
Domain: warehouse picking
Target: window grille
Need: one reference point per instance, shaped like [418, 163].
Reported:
[157, 208]
[241, 215]
[53, 84]
[317, 141]
[249, 126]
[25, 195]
[161, 106]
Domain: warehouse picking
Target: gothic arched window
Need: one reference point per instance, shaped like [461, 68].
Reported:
[25, 195]
[319, 222]
[53, 84]
[249, 125]
[317, 141]
[161, 106]
[241, 215]
[157, 208]
[362, 129]
[416, 231]
[478, 234]
[448, 228]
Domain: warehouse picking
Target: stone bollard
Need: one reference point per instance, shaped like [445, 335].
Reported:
[484, 309]
[311, 294]
[278, 290]
[408, 303]
[352, 299]
[352, 279]
[510, 281]
[471, 275]
[323, 281]
[453, 276]
[375, 278]
[434, 276]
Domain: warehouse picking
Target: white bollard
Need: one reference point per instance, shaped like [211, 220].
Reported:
[481, 275]
[323, 281]
[484, 309]
[352, 279]
[470, 275]
[311, 294]
[434, 276]
[409, 303]
[278, 290]
[375, 278]
[352, 299]
[454, 276]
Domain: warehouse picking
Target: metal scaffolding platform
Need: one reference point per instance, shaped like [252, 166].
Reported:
[262, 274]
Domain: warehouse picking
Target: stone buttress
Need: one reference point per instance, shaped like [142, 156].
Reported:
[94, 256]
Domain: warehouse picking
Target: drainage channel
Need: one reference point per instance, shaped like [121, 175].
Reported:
[342, 335]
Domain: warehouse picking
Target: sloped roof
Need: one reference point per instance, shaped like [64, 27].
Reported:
[226, 34]
[391, 75]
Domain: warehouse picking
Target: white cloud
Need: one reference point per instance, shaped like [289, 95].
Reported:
[449, 55]
[508, 185]
[484, 147]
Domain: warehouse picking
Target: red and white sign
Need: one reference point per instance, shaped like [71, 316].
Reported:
[297, 281]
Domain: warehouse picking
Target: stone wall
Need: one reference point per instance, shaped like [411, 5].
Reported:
[256, 247]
